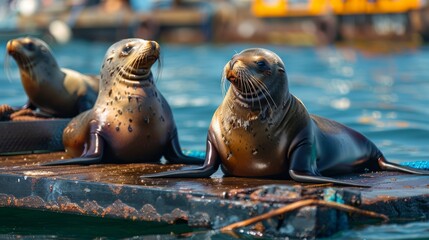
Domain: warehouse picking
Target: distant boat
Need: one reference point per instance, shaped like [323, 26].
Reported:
[331, 20]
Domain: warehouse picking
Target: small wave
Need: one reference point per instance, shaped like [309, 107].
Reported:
[415, 133]
[416, 230]
[186, 101]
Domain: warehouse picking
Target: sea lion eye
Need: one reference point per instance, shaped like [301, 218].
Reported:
[126, 50]
[30, 46]
[261, 63]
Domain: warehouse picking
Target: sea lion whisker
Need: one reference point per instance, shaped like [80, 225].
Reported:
[256, 89]
[140, 57]
[159, 67]
[127, 70]
[267, 96]
[247, 90]
[133, 59]
[131, 76]
[248, 78]
[138, 62]
[223, 83]
[254, 81]
[251, 88]
[144, 53]
[120, 71]
[134, 56]
[264, 88]
[241, 78]
[260, 90]
[7, 68]
[240, 81]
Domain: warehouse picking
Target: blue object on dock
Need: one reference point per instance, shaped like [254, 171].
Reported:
[424, 165]
[194, 153]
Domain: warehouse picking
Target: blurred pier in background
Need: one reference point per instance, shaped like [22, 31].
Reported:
[292, 22]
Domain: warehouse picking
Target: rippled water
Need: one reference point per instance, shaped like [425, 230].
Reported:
[385, 96]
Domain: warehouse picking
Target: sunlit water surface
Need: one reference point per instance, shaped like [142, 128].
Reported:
[384, 96]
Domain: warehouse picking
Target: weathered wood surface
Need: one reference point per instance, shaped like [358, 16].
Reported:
[116, 191]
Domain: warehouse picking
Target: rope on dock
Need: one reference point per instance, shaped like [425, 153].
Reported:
[300, 204]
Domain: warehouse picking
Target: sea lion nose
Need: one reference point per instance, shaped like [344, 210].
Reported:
[9, 46]
[231, 76]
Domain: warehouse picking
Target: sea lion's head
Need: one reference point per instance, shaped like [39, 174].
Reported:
[29, 52]
[130, 60]
[256, 75]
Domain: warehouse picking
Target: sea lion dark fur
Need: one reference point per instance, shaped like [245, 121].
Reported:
[262, 130]
[131, 121]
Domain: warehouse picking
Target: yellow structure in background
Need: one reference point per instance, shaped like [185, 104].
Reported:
[298, 8]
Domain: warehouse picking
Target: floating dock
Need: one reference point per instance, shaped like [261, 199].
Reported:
[311, 23]
[116, 191]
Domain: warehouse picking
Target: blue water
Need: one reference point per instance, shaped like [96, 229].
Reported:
[384, 96]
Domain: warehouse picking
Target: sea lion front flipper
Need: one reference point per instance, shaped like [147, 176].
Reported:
[27, 114]
[210, 166]
[93, 152]
[5, 111]
[174, 153]
[385, 165]
[303, 168]
[307, 178]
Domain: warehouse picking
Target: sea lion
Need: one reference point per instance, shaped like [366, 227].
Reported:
[130, 121]
[55, 91]
[262, 130]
